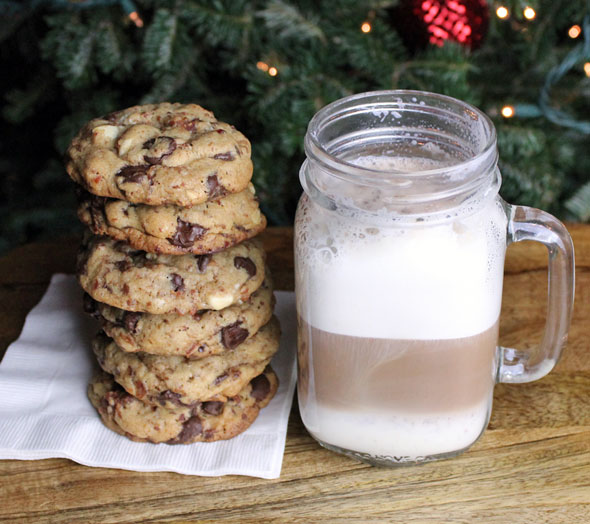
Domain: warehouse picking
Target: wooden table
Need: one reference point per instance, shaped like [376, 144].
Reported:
[532, 465]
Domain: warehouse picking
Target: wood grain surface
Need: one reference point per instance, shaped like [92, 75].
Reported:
[532, 465]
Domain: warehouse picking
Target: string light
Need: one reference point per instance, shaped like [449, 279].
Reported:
[529, 13]
[587, 69]
[502, 12]
[507, 111]
[136, 19]
[574, 31]
[271, 70]
[366, 27]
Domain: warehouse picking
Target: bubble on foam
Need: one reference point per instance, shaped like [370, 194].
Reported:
[402, 164]
[325, 256]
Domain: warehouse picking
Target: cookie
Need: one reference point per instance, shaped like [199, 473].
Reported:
[175, 381]
[203, 422]
[114, 273]
[205, 333]
[204, 228]
[160, 154]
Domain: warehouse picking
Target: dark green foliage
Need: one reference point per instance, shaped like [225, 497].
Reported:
[65, 62]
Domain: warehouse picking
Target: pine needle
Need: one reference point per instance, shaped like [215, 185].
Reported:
[289, 22]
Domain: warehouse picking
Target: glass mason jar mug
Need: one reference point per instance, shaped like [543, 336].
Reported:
[400, 238]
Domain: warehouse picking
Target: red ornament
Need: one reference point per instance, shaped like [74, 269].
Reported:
[423, 22]
[465, 22]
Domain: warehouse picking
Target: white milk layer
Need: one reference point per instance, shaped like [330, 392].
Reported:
[430, 282]
[387, 434]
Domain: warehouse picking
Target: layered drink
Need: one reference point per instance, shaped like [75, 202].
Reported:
[397, 325]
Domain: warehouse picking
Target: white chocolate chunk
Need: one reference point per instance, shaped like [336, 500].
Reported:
[105, 135]
[134, 138]
[218, 302]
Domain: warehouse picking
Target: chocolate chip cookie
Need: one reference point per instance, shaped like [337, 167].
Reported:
[204, 228]
[116, 274]
[160, 154]
[203, 422]
[205, 333]
[174, 381]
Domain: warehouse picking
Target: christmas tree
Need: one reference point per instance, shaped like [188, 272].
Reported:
[268, 65]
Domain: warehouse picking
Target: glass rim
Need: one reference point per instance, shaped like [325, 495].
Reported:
[315, 150]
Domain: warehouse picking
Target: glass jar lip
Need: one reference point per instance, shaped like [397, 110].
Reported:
[487, 153]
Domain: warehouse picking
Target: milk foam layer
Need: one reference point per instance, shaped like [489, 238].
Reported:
[431, 282]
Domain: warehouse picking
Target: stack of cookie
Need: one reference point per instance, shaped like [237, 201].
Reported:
[174, 274]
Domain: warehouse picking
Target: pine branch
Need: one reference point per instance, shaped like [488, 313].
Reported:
[69, 45]
[78, 62]
[109, 53]
[21, 103]
[158, 44]
[530, 165]
[220, 22]
[529, 183]
[516, 141]
[288, 22]
[375, 54]
[442, 70]
[169, 84]
[579, 203]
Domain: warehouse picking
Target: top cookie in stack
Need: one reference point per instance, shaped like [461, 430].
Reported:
[184, 297]
[155, 176]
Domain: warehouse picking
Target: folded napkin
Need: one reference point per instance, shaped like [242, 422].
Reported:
[44, 411]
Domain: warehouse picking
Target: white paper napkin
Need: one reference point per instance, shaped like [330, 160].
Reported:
[44, 411]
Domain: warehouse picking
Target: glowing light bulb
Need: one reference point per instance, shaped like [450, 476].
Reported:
[136, 19]
[366, 27]
[502, 12]
[262, 66]
[587, 69]
[529, 13]
[273, 71]
[574, 31]
[507, 111]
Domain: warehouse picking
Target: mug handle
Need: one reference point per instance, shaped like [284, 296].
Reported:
[526, 223]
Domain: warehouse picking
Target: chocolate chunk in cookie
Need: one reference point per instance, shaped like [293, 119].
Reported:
[233, 335]
[245, 263]
[186, 234]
